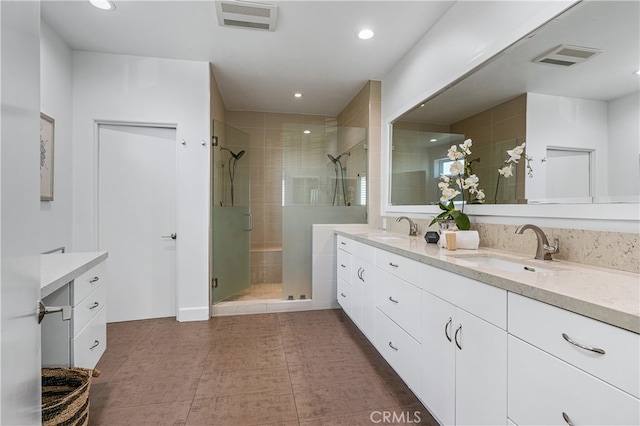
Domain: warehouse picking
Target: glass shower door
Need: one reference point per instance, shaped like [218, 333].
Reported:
[231, 221]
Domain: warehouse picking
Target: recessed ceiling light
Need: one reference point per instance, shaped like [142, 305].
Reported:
[297, 95]
[103, 4]
[365, 34]
[637, 72]
[306, 132]
[433, 140]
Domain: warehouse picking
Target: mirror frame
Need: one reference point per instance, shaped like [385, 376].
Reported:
[622, 217]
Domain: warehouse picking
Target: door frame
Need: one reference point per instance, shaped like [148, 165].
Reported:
[96, 180]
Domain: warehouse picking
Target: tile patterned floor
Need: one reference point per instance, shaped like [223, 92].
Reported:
[310, 368]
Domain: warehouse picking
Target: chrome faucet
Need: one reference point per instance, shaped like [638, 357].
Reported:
[413, 227]
[544, 250]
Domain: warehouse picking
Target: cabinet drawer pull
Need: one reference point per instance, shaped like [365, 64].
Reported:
[344, 266]
[392, 347]
[343, 295]
[343, 243]
[458, 330]
[94, 279]
[587, 348]
[392, 299]
[95, 305]
[566, 418]
[361, 275]
[446, 326]
[95, 344]
[393, 265]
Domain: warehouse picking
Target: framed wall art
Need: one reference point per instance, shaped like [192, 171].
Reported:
[47, 134]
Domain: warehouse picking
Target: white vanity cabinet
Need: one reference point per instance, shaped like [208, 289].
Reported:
[564, 367]
[463, 355]
[77, 280]
[89, 317]
[356, 283]
[397, 302]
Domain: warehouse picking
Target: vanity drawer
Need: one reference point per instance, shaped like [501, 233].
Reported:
[87, 282]
[400, 350]
[363, 251]
[88, 308]
[343, 264]
[90, 344]
[542, 388]
[344, 295]
[543, 326]
[405, 268]
[401, 302]
[344, 243]
[480, 299]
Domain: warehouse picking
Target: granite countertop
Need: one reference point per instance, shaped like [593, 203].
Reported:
[58, 269]
[603, 294]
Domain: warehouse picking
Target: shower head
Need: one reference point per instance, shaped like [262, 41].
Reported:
[233, 154]
[333, 160]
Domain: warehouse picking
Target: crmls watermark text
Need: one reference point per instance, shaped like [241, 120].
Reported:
[392, 417]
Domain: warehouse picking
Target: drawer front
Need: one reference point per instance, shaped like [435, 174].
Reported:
[88, 308]
[88, 346]
[407, 269]
[344, 243]
[480, 299]
[344, 295]
[542, 388]
[344, 264]
[363, 251]
[401, 302]
[543, 326]
[87, 282]
[400, 350]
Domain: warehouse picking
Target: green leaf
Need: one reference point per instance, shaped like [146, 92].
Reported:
[462, 220]
[442, 216]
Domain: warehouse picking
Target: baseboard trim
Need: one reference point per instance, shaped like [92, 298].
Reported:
[193, 314]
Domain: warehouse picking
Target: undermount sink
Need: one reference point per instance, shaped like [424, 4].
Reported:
[504, 264]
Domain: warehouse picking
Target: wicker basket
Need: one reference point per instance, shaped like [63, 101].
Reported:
[65, 396]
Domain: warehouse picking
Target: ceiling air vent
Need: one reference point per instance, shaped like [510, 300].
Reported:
[566, 55]
[244, 14]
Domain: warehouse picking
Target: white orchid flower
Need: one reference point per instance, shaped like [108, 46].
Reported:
[516, 153]
[471, 182]
[453, 153]
[480, 194]
[464, 146]
[448, 194]
[444, 178]
[506, 171]
[457, 168]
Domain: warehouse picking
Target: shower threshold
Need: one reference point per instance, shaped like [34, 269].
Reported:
[263, 306]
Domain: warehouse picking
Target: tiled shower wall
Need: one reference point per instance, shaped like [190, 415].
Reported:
[365, 111]
[267, 147]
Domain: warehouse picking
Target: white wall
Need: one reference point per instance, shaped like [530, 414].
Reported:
[55, 101]
[148, 90]
[558, 121]
[624, 146]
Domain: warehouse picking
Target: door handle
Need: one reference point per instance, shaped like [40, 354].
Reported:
[250, 221]
[172, 236]
[44, 310]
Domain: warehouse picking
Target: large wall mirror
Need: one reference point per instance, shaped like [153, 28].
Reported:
[570, 90]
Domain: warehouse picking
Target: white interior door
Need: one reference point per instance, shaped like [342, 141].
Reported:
[19, 214]
[136, 216]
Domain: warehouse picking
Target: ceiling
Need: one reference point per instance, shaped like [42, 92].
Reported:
[314, 49]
